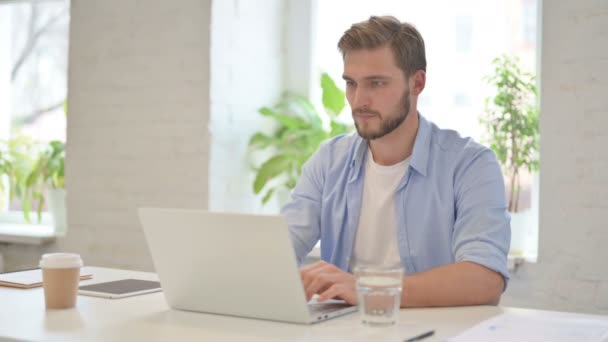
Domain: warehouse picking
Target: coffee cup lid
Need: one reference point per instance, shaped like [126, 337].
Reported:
[60, 260]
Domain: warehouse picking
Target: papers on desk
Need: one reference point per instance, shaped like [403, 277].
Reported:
[32, 278]
[534, 326]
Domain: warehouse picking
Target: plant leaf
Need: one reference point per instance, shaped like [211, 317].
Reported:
[292, 123]
[270, 169]
[309, 110]
[260, 140]
[267, 197]
[337, 128]
[333, 97]
[300, 131]
[25, 203]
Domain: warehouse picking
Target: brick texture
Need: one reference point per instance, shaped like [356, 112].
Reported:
[138, 121]
[571, 272]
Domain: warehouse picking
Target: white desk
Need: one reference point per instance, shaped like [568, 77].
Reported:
[148, 318]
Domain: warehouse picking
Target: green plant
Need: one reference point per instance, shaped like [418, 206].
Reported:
[512, 122]
[21, 152]
[50, 165]
[47, 171]
[31, 169]
[299, 132]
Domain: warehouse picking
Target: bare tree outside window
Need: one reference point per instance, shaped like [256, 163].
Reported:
[39, 70]
[33, 85]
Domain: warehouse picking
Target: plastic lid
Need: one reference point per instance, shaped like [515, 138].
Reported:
[60, 260]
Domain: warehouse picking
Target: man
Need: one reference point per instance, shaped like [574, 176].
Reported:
[402, 192]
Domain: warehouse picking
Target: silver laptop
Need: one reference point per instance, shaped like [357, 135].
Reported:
[231, 264]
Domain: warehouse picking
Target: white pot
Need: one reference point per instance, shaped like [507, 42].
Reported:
[524, 227]
[519, 223]
[523, 233]
[58, 210]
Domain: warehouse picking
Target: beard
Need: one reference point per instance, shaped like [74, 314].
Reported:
[388, 124]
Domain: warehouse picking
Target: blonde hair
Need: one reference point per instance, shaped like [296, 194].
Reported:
[403, 38]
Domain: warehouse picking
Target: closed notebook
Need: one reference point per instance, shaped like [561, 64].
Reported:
[32, 278]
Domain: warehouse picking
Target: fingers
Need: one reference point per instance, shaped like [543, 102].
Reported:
[320, 283]
[339, 290]
[318, 277]
[308, 275]
[318, 266]
[333, 291]
[312, 272]
[313, 266]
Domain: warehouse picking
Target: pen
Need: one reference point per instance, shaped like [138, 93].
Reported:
[421, 336]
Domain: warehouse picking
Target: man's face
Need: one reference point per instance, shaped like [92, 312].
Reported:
[376, 90]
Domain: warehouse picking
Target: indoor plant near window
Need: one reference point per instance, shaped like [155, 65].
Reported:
[512, 122]
[36, 175]
[299, 131]
[47, 175]
[21, 153]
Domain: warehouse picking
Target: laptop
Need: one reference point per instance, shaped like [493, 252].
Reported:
[231, 264]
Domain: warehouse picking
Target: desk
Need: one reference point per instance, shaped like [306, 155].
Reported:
[148, 318]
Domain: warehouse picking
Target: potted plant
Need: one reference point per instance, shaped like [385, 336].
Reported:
[20, 154]
[299, 131]
[512, 121]
[46, 179]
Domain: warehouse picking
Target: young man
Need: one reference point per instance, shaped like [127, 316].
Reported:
[402, 192]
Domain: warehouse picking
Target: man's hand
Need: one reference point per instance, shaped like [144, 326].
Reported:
[328, 282]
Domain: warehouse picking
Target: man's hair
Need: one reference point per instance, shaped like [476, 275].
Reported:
[403, 38]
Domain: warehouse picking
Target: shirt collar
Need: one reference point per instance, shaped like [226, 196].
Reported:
[420, 152]
[422, 146]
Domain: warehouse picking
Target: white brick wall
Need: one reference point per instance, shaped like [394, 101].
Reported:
[138, 121]
[246, 74]
[571, 273]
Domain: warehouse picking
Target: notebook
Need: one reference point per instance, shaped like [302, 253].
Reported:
[32, 278]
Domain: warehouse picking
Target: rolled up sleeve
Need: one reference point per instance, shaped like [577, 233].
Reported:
[482, 231]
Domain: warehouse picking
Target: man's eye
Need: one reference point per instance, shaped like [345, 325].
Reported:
[377, 83]
[350, 83]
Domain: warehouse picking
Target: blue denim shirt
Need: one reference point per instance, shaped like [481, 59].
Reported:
[450, 206]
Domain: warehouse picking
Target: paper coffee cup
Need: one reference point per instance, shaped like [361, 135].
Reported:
[60, 279]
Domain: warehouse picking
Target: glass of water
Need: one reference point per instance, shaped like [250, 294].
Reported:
[379, 295]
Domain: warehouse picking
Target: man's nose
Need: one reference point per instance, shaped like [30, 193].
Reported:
[361, 99]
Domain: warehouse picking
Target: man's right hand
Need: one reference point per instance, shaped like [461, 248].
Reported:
[328, 281]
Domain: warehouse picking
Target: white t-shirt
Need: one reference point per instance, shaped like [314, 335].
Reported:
[376, 240]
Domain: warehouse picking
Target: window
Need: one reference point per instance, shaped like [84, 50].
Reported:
[463, 30]
[462, 38]
[529, 22]
[33, 79]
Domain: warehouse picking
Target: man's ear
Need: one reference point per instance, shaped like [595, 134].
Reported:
[417, 82]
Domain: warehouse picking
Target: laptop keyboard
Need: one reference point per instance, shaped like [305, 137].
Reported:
[325, 308]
